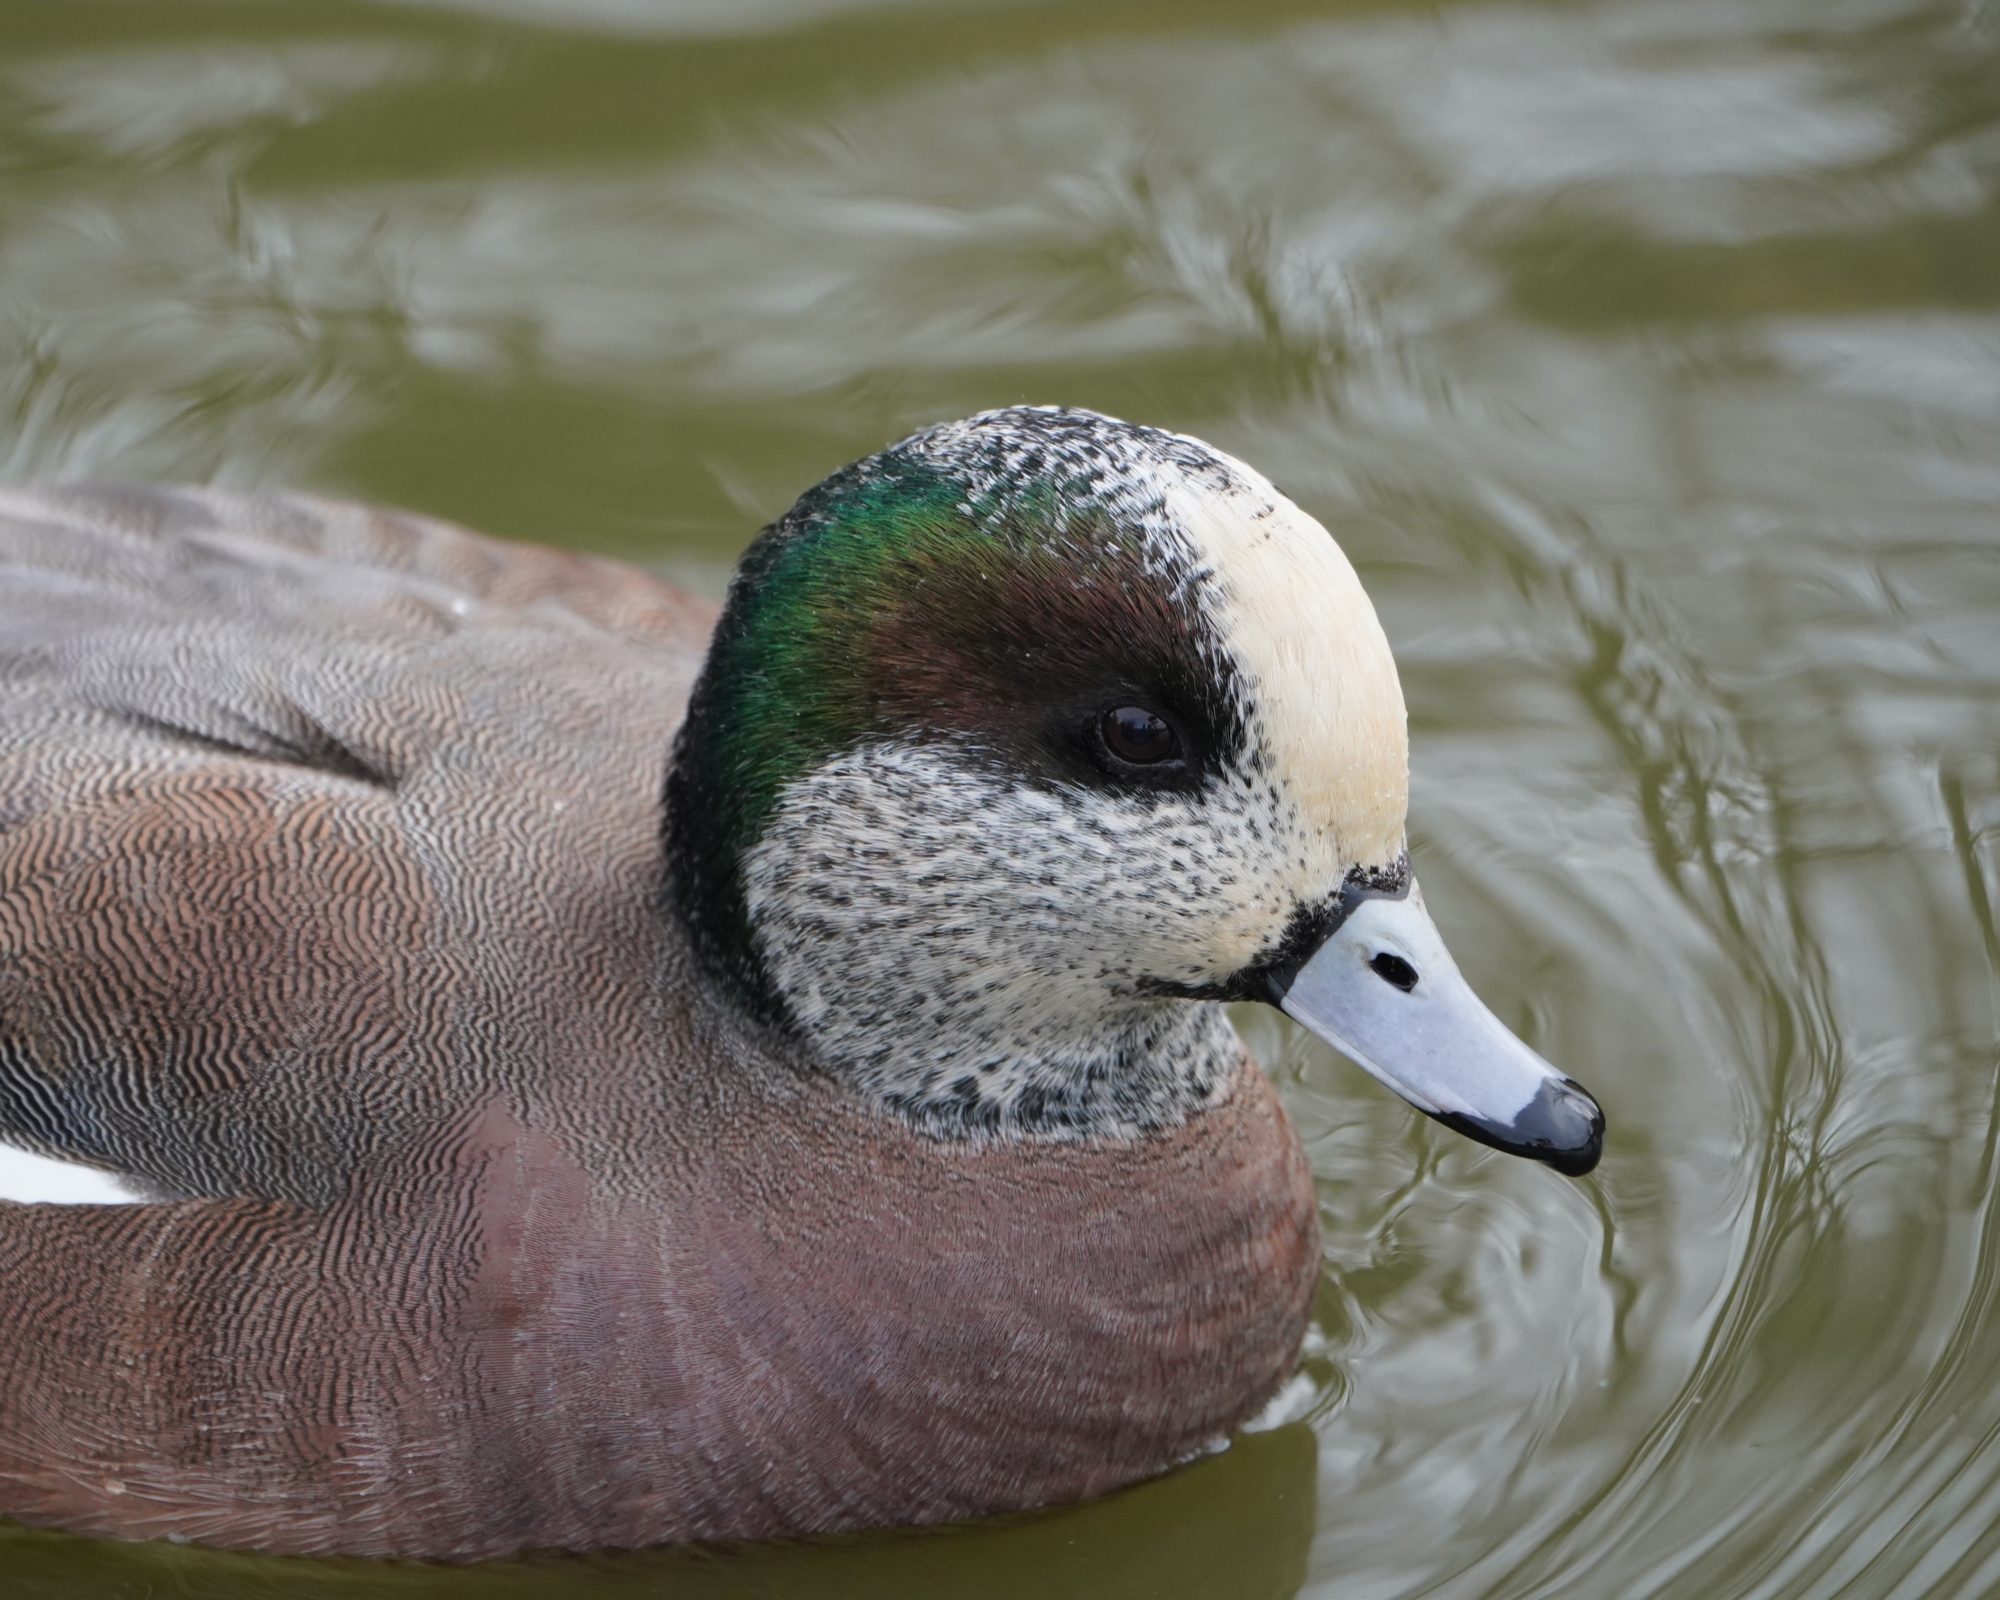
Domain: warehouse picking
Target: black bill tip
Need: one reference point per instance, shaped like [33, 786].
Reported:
[1562, 1127]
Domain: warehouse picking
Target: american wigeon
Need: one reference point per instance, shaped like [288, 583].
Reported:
[586, 1073]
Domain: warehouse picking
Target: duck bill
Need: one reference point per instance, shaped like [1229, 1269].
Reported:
[1383, 990]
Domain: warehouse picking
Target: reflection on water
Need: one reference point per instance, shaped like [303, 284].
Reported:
[1645, 356]
[1238, 1525]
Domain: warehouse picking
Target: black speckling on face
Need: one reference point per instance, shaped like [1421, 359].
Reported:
[1310, 927]
[999, 584]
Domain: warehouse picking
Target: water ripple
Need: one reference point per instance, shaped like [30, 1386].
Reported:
[1644, 357]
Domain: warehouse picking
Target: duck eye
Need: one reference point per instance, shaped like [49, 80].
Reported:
[1138, 736]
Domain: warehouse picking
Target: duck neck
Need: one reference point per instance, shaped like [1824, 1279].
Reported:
[810, 601]
[901, 934]
[955, 1046]
[952, 1002]
[958, 1061]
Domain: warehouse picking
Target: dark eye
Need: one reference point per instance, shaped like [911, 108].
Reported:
[1138, 736]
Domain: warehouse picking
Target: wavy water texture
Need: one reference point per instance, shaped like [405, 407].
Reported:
[1644, 354]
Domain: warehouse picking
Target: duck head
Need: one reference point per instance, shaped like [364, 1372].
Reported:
[1026, 742]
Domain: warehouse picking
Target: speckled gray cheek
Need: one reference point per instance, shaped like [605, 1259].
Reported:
[980, 956]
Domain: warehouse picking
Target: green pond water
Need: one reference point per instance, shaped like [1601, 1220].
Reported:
[1645, 356]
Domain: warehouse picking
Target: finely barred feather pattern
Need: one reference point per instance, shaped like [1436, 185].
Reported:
[330, 908]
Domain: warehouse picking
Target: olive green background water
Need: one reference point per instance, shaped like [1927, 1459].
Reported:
[1645, 356]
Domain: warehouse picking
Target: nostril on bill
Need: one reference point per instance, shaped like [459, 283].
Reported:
[1393, 969]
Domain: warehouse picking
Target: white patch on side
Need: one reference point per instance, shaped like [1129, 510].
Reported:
[43, 1180]
[1295, 1398]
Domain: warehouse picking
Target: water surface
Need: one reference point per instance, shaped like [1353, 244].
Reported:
[1644, 355]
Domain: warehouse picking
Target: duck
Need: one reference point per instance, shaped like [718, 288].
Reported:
[508, 1055]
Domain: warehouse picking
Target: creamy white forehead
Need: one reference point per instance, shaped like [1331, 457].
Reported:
[1323, 685]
